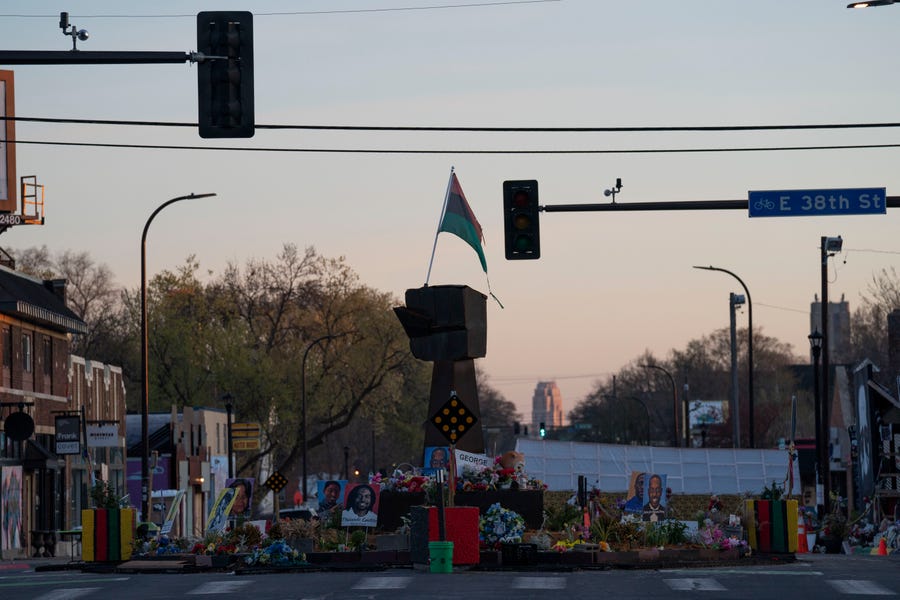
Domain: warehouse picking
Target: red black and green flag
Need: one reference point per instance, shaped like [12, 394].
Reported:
[459, 219]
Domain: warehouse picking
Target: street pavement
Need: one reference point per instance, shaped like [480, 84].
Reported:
[811, 576]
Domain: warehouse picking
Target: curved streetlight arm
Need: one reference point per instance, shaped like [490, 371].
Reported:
[309, 347]
[145, 367]
[674, 401]
[750, 420]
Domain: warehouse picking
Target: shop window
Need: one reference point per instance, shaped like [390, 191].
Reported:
[27, 357]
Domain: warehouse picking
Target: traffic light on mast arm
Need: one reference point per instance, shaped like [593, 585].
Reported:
[225, 79]
[521, 220]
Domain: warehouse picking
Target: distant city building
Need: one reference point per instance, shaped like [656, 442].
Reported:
[546, 406]
[838, 327]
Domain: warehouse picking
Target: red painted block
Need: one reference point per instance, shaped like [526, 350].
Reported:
[461, 528]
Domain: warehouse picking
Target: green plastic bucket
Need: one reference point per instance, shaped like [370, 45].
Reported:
[441, 554]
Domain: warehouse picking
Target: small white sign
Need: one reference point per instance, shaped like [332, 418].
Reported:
[470, 460]
[102, 436]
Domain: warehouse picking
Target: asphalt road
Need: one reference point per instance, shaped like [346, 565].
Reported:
[818, 577]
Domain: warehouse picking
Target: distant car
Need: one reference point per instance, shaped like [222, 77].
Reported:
[307, 514]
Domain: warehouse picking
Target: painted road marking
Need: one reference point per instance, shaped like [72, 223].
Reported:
[66, 593]
[382, 583]
[539, 583]
[219, 587]
[695, 585]
[859, 587]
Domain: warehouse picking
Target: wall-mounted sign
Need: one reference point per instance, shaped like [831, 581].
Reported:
[68, 435]
[102, 436]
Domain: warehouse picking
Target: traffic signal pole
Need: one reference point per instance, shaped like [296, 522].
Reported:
[891, 201]
[81, 57]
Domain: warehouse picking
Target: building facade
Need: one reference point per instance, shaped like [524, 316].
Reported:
[546, 406]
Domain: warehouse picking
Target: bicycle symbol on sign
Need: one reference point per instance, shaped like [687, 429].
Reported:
[764, 203]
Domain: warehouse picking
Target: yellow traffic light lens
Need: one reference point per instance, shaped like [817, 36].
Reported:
[522, 222]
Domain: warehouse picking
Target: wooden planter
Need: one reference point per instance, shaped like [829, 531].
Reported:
[107, 535]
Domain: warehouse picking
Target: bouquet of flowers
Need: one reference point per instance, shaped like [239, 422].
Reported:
[500, 526]
[401, 481]
[276, 554]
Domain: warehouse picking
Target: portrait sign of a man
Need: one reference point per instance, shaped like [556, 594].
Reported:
[361, 505]
[655, 498]
[635, 501]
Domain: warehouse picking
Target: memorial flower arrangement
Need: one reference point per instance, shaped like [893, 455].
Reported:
[497, 476]
[500, 526]
[401, 481]
[276, 554]
[711, 536]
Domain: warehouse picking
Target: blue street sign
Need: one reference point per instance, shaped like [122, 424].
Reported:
[817, 203]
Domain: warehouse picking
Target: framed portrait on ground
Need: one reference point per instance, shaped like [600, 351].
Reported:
[634, 499]
[330, 495]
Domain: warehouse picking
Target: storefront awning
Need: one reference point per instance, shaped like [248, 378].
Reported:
[38, 457]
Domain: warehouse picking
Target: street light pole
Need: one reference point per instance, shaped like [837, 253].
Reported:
[829, 245]
[815, 343]
[676, 438]
[145, 367]
[750, 419]
[311, 345]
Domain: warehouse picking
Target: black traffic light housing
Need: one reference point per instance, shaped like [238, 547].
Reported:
[225, 75]
[543, 431]
[521, 220]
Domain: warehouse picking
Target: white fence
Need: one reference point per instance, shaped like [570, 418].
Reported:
[688, 470]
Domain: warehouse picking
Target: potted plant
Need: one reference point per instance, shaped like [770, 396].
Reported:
[835, 526]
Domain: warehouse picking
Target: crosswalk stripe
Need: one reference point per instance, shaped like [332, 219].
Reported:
[859, 587]
[382, 583]
[67, 593]
[219, 587]
[695, 585]
[539, 583]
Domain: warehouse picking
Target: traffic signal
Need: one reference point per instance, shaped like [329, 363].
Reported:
[225, 75]
[543, 431]
[521, 220]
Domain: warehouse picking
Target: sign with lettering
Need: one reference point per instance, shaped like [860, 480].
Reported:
[103, 436]
[68, 435]
[812, 203]
[473, 462]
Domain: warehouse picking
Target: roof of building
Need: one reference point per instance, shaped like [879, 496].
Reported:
[33, 300]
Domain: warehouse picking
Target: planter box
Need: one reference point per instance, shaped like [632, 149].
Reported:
[528, 503]
[214, 562]
[772, 525]
[392, 506]
[107, 535]
[392, 542]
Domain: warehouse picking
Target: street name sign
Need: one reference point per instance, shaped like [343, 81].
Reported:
[245, 430]
[816, 203]
[244, 444]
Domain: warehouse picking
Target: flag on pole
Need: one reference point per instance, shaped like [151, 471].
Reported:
[459, 219]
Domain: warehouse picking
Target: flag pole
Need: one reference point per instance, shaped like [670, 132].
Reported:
[440, 221]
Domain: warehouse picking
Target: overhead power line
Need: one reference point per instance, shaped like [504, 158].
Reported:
[297, 12]
[442, 128]
[459, 151]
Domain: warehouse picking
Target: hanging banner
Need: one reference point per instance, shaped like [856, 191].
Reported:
[103, 436]
[68, 435]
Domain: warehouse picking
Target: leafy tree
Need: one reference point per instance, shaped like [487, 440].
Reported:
[498, 416]
[868, 324]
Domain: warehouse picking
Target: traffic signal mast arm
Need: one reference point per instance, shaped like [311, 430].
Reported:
[891, 201]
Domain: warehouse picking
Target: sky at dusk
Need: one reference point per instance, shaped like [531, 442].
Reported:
[608, 285]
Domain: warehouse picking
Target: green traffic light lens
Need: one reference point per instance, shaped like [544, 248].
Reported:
[524, 243]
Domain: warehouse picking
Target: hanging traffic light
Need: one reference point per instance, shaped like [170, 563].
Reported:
[543, 431]
[225, 74]
[521, 220]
